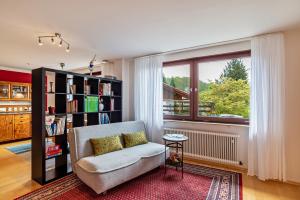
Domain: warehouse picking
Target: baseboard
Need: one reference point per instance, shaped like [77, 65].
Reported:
[293, 183]
[196, 161]
[240, 169]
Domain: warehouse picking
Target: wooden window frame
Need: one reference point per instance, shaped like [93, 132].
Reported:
[193, 62]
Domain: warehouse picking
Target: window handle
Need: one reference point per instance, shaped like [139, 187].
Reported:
[195, 89]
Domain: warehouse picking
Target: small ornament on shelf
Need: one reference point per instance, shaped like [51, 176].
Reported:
[51, 110]
[101, 105]
[51, 87]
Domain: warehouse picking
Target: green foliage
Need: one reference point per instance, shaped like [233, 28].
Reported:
[172, 82]
[229, 97]
[182, 83]
[202, 86]
[236, 70]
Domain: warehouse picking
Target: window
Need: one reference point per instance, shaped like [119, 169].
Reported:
[176, 90]
[213, 89]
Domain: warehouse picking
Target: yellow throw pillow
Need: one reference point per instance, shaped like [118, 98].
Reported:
[133, 139]
[106, 144]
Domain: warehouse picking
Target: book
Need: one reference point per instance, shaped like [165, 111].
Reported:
[112, 104]
[104, 118]
[91, 104]
[55, 125]
[72, 106]
[105, 89]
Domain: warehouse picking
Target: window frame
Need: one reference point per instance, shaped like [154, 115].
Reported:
[194, 87]
[183, 117]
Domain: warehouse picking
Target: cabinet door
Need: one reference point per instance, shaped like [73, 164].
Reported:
[4, 91]
[30, 92]
[19, 91]
[22, 128]
[6, 127]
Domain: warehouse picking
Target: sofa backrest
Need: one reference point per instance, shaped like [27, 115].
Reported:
[79, 138]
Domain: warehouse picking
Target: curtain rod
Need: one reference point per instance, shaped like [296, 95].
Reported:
[198, 47]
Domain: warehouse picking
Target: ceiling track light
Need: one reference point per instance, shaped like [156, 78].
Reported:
[56, 36]
[40, 42]
[60, 43]
[68, 49]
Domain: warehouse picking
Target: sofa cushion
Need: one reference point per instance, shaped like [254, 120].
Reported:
[119, 159]
[147, 150]
[106, 144]
[133, 139]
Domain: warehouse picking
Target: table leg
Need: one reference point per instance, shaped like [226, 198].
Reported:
[176, 152]
[182, 160]
[165, 157]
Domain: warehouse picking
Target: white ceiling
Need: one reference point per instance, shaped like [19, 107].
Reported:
[128, 28]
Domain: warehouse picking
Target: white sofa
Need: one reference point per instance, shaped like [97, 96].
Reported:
[109, 170]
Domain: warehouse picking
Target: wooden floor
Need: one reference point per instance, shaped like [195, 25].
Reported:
[15, 180]
[15, 173]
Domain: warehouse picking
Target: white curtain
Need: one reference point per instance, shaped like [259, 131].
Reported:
[266, 158]
[148, 99]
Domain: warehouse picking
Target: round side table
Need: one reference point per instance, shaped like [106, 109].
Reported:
[176, 143]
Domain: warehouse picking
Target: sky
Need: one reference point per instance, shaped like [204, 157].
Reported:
[207, 71]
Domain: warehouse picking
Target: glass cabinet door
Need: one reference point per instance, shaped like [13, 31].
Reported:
[4, 90]
[19, 92]
[30, 92]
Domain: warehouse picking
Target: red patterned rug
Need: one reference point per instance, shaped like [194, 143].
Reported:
[198, 183]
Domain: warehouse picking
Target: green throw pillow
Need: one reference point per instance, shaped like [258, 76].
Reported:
[133, 139]
[106, 144]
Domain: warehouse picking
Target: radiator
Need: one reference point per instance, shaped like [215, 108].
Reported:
[211, 146]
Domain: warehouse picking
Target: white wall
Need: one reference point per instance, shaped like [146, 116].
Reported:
[207, 51]
[292, 117]
[15, 69]
[113, 69]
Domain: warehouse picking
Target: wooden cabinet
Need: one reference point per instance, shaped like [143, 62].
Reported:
[15, 91]
[6, 128]
[4, 91]
[19, 91]
[22, 126]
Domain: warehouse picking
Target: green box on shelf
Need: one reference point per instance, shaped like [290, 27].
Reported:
[91, 104]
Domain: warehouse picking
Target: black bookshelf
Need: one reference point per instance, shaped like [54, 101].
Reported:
[85, 86]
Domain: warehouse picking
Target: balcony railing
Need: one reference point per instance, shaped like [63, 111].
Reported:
[182, 107]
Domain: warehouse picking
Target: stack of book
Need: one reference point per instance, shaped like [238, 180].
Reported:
[72, 106]
[112, 104]
[55, 125]
[105, 89]
[52, 149]
[104, 118]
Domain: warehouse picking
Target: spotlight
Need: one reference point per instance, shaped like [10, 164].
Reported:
[55, 39]
[52, 40]
[40, 42]
[60, 43]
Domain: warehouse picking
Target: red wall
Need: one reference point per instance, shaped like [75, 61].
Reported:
[12, 76]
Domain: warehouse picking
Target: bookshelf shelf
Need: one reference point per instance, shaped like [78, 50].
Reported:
[76, 94]
[77, 102]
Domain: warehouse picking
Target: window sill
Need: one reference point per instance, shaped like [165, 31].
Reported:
[205, 123]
